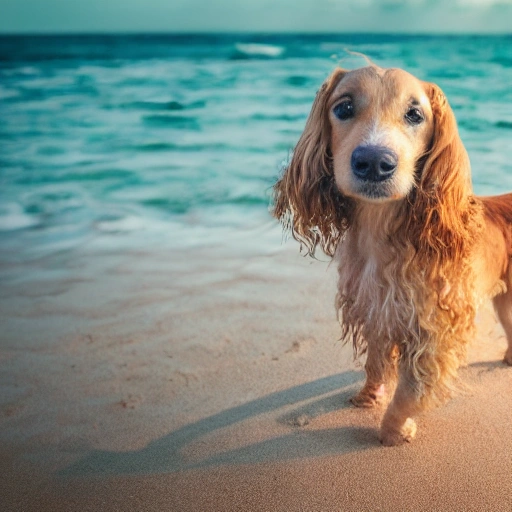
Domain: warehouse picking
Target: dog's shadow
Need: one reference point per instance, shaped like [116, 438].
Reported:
[316, 398]
[488, 366]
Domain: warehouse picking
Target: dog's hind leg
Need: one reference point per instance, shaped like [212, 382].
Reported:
[380, 371]
[503, 307]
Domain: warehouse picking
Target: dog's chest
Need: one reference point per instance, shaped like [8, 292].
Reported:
[373, 286]
[361, 274]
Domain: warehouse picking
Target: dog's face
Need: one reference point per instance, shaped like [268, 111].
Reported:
[375, 136]
[381, 125]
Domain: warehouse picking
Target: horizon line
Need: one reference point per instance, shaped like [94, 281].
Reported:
[257, 33]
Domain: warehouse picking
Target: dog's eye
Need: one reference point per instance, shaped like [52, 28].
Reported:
[414, 116]
[344, 110]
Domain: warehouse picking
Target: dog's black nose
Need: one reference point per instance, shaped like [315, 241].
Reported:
[373, 163]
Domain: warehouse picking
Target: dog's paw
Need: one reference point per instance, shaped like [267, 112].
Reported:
[508, 357]
[394, 437]
[369, 397]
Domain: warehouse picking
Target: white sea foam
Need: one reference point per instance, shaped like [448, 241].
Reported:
[256, 49]
[124, 224]
[12, 217]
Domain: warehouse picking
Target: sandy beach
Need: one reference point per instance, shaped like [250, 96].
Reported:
[213, 380]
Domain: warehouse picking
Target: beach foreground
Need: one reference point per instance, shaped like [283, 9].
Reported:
[214, 380]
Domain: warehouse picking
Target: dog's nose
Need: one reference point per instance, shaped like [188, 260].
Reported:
[373, 163]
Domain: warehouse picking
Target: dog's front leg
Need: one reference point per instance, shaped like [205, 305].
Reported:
[397, 425]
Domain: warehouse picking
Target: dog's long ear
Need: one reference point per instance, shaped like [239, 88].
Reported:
[306, 199]
[443, 223]
[442, 203]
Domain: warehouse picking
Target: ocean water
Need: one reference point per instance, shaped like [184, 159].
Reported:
[134, 141]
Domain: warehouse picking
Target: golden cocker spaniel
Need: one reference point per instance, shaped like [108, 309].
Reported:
[380, 180]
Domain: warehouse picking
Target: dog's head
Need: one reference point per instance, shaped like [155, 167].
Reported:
[381, 124]
[373, 135]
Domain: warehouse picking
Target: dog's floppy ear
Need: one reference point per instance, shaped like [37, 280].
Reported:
[306, 197]
[442, 222]
[442, 202]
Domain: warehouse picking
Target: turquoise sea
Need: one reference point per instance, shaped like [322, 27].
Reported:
[139, 140]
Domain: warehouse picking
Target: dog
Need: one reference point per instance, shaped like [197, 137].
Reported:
[381, 182]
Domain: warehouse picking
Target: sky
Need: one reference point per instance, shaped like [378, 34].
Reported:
[388, 16]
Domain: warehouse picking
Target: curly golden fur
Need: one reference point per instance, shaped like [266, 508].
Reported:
[380, 180]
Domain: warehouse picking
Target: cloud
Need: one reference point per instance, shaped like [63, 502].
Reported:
[484, 3]
[422, 4]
